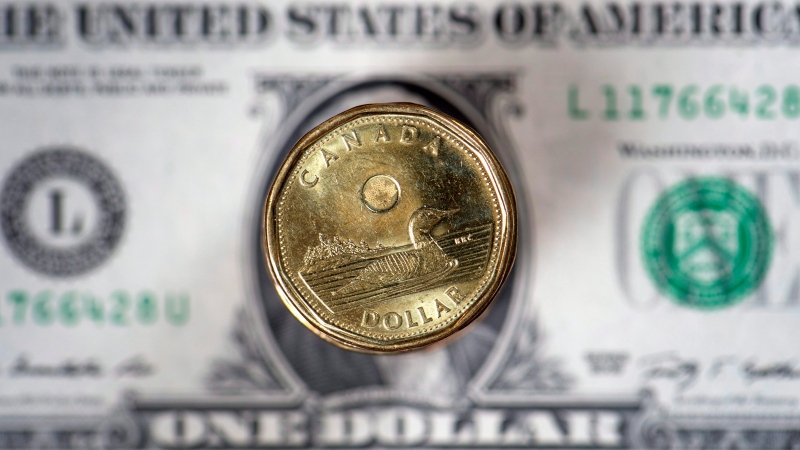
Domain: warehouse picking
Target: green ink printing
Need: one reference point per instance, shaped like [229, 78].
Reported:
[707, 243]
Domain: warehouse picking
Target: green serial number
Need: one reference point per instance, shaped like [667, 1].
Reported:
[72, 308]
[690, 102]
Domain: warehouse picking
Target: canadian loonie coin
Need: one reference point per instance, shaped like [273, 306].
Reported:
[389, 227]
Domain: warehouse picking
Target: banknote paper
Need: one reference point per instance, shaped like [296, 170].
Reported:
[654, 151]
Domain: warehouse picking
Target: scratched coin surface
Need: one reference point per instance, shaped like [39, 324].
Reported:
[389, 227]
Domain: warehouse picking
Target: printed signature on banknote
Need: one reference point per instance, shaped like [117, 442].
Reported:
[685, 372]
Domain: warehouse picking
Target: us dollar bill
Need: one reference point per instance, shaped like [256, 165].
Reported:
[653, 148]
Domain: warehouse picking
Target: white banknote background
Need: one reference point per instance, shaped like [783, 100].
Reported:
[139, 140]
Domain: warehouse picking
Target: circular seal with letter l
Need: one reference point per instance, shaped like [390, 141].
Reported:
[62, 212]
[707, 243]
[389, 227]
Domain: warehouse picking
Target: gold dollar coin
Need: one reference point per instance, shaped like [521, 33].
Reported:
[389, 227]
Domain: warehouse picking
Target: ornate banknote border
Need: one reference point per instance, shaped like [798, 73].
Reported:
[255, 400]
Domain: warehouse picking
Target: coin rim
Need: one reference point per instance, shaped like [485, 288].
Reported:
[351, 341]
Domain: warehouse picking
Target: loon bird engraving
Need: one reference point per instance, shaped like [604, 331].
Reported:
[426, 258]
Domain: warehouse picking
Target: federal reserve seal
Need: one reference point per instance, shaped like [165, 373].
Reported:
[62, 212]
[707, 243]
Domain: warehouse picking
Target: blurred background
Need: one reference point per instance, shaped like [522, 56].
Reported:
[652, 146]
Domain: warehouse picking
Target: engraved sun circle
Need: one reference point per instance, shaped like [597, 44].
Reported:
[380, 193]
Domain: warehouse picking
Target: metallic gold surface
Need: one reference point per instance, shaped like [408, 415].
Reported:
[389, 227]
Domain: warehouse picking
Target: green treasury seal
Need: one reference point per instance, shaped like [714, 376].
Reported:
[707, 242]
